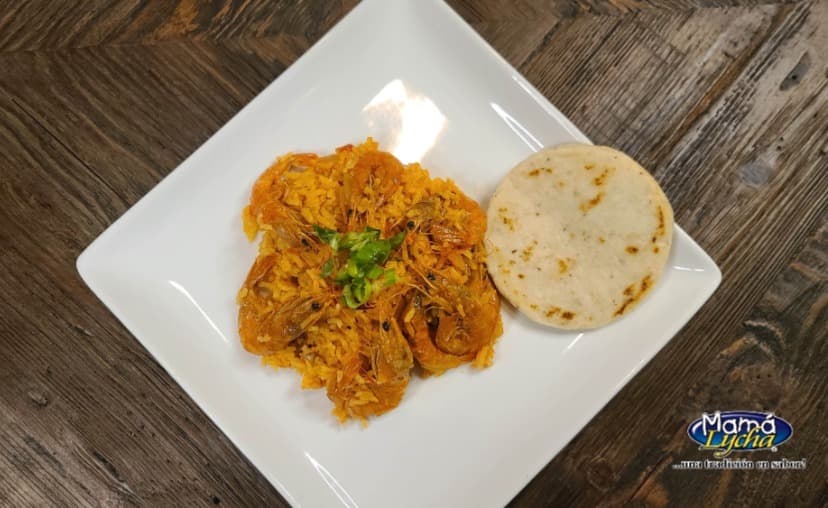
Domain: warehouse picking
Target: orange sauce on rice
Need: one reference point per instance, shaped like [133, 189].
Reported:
[442, 310]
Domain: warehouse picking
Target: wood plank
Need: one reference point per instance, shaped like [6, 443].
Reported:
[517, 41]
[476, 11]
[60, 24]
[632, 81]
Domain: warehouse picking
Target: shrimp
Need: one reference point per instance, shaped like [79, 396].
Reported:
[288, 227]
[429, 216]
[390, 357]
[449, 324]
[382, 368]
[270, 186]
[420, 335]
[473, 226]
[472, 319]
[267, 205]
[264, 328]
[376, 175]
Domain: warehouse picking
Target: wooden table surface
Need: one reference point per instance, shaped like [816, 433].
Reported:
[726, 101]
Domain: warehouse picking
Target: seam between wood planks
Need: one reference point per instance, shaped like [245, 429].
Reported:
[720, 86]
[541, 45]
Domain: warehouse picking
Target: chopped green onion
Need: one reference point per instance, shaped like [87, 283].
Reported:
[367, 254]
[374, 272]
[352, 268]
[342, 276]
[372, 252]
[328, 236]
[397, 239]
[355, 241]
[327, 267]
[348, 297]
[361, 290]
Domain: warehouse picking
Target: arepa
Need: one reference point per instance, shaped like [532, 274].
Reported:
[577, 235]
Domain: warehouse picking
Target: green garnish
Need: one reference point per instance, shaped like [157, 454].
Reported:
[362, 274]
[374, 272]
[390, 277]
[328, 236]
[327, 267]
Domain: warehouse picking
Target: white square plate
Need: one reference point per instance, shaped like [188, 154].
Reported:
[414, 76]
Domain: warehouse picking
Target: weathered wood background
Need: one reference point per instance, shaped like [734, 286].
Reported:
[725, 100]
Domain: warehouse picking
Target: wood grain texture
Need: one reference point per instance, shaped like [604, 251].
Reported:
[59, 24]
[725, 101]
